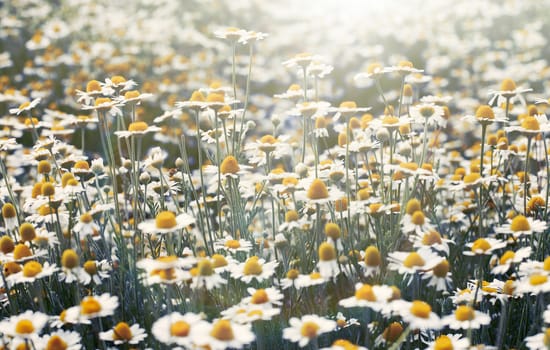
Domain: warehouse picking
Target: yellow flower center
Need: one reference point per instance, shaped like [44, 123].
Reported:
[229, 165]
[406, 64]
[508, 287]
[215, 97]
[507, 85]
[537, 279]
[197, 96]
[485, 112]
[332, 230]
[232, 244]
[165, 220]
[421, 309]
[443, 342]
[82, 165]
[372, 256]
[268, 139]
[309, 329]
[260, 297]
[180, 329]
[45, 210]
[27, 232]
[392, 332]
[6, 244]
[90, 267]
[219, 260]
[21, 251]
[317, 190]
[24, 327]
[390, 120]
[464, 313]
[86, 218]
[427, 111]
[365, 293]
[348, 104]
[93, 86]
[131, 94]
[442, 269]
[373, 67]
[70, 259]
[118, 79]
[418, 218]
[546, 339]
[32, 268]
[292, 274]
[327, 252]
[345, 344]
[10, 268]
[413, 205]
[90, 306]
[205, 268]
[431, 238]
[102, 100]
[8, 211]
[252, 266]
[481, 244]
[122, 332]
[471, 178]
[508, 255]
[222, 331]
[315, 276]
[138, 126]
[291, 215]
[56, 343]
[413, 259]
[530, 123]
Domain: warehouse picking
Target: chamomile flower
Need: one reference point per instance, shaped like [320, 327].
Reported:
[411, 262]
[343, 344]
[61, 339]
[31, 271]
[539, 341]
[439, 276]
[122, 333]
[521, 225]
[166, 222]
[486, 115]
[509, 258]
[25, 107]
[465, 317]
[484, 246]
[372, 261]
[418, 314]
[137, 129]
[307, 329]
[449, 341]
[233, 246]
[165, 269]
[375, 297]
[508, 92]
[26, 325]
[534, 284]
[328, 263]
[254, 268]
[207, 276]
[222, 334]
[177, 329]
[91, 307]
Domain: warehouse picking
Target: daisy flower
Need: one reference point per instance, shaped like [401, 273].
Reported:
[371, 261]
[32, 270]
[61, 339]
[248, 313]
[404, 68]
[222, 334]
[417, 223]
[508, 92]
[521, 225]
[25, 106]
[254, 268]
[539, 341]
[508, 258]
[206, 276]
[439, 277]
[533, 284]
[177, 329]
[375, 297]
[96, 271]
[418, 314]
[166, 269]
[26, 325]
[328, 263]
[343, 344]
[449, 341]
[166, 222]
[428, 113]
[307, 329]
[313, 279]
[373, 71]
[230, 33]
[91, 307]
[301, 60]
[484, 246]
[486, 115]
[122, 333]
[409, 263]
[137, 129]
[531, 125]
[465, 317]
[231, 245]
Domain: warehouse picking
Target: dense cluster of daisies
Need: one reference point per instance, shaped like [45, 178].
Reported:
[170, 183]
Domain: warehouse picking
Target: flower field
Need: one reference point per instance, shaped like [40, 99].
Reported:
[274, 175]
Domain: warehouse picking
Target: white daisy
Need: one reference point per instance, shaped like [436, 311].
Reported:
[465, 317]
[307, 328]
